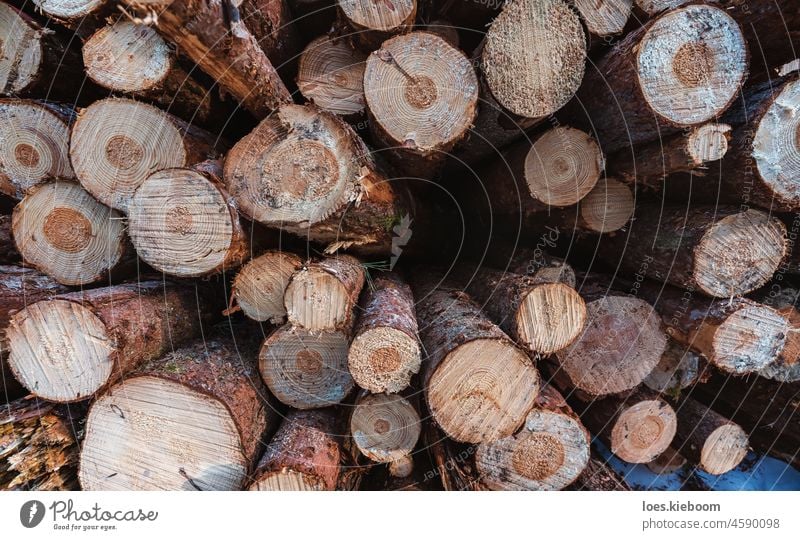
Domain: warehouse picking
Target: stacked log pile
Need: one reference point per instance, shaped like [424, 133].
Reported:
[340, 245]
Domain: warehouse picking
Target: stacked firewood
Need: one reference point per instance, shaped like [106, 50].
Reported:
[419, 244]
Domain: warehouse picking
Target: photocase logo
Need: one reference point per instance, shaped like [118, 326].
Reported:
[31, 514]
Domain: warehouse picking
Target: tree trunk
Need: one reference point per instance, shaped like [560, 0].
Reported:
[651, 164]
[695, 56]
[303, 456]
[521, 83]
[117, 143]
[784, 299]
[81, 16]
[19, 287]
[548, 453]
[39, 446]
[306, 370]
[737, 335]
[272, 25]
[678, 369]
[719, 251]
[767, 410]
[322, 295]
[385, 428]
[190, 420]
[74, 345]
[259, 286]
[134, 59]
[331, 76]
[478, 385]
[36, 135]
[708, 439]
[210, 33]
[385, 351]
[305, 171]
[534, 262]
[544, 317]
[421, 95]
[604, 19]
[622, 342]
[35, 61]
[61, 230]
[599, 476]
[183, 223]
[368, 24]
[8, 251]
[636, 427]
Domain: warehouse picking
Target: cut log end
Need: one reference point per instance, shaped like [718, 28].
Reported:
[608, 207]
[331, 75]
[517, 58]
[384, 359]
[127, 57]
[739, 254]
[306, 371]
[37, 148]
[69, 9]
[22, 51]
[117, 143]
[563, 166]
[260, 285]
[708, 143]
[421, 92]
[380, 16]
[288, 480]
[749, 339]
[181, 224]
[550, 317]
[549, 453]
[776, 146]
[708, 55]
[482, 390]
[64, 232]
[385, 428]
[194, 436]
[724, 449]
[621, 344]
[60, 350]
[644, 430]
[604, 18]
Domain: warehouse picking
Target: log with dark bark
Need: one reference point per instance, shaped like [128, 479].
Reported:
[783, 297]
[534, 262]
[544, 317]
[331, 75]
[368, 24]
[74, 345]
[304, 455]
[259, 286]
[37, 147]
[708, 439]
[736, 335]
[599, 476]
[272, 25]
[768, 410]
[478, 384]
[637, 427]
[8, 250]
[680, 70]
[35, 61]
[19, 287]
[313, 17]
[305, 171]
[190, 420]
[385, 428]
[306, 370]
[39, 446]
[651, 164]
[622, 342]
[61, 230]
[322, 295]
[117, 143]
[532, 61]
[548, 453]
[678, 369]
[385, 351]
[182, 222]
[421, 96]
[134, 59]
[718, 251]
[211, 34]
